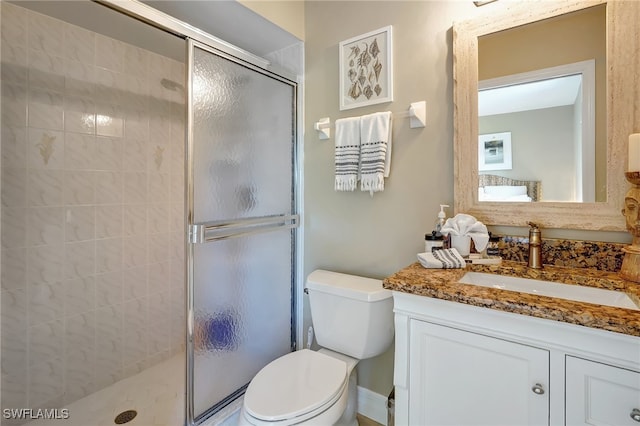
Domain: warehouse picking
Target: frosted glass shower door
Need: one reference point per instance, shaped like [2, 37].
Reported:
[242, 222]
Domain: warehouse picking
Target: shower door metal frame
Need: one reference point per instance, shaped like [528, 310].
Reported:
[202, 233]
[192, 35]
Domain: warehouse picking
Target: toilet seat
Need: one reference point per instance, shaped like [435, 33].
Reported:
[295, 387]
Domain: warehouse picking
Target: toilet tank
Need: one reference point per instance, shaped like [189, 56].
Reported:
[352, 315]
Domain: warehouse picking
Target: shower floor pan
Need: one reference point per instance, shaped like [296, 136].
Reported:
[156, 394]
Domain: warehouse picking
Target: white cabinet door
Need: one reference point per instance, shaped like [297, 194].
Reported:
[463, 378]
[599, 394]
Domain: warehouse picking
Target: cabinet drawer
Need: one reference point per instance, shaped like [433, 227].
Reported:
[600, 394]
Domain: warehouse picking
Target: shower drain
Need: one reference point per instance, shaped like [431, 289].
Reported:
[125, 417]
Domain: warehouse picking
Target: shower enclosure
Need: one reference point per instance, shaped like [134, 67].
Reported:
[98, 188]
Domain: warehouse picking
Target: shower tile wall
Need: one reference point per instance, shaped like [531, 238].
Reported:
[92, 210]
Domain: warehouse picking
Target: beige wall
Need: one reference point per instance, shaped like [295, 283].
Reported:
[353, 232]
[574, 37]
[288, 15]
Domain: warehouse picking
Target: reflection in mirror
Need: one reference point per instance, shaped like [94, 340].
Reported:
[550, 115]
[539, 83]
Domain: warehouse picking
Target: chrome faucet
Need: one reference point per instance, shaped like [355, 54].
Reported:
[535, 247]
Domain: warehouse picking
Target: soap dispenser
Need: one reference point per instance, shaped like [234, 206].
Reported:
[441, 218]
[435, 240]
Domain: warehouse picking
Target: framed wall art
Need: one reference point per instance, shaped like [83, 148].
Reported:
[366, 69]
[494, 151]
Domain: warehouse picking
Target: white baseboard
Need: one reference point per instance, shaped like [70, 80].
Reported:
[372, 405]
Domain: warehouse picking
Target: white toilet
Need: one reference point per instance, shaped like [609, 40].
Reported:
[353, 320]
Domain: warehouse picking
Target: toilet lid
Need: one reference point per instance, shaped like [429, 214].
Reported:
[295, 384]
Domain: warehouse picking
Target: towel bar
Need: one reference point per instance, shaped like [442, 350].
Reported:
[417, 114]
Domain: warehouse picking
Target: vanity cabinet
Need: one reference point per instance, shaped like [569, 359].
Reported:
[463, 378]
[600, 394]
[458, 364]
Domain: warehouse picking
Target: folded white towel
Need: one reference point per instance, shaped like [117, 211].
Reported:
[347, 153]
[375, 150]
[464, 224]
[442, 259]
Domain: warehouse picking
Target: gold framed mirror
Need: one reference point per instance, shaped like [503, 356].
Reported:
[622, 115]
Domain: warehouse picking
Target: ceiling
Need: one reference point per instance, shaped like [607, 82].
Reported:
[230, 21]
[540, 94]
[227, 20]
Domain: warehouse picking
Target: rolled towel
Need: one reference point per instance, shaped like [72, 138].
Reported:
[442, 259]
[464, 224]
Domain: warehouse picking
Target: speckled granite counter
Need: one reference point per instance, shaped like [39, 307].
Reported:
[443, 284]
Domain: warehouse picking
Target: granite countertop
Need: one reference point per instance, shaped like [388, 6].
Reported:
[443, 284]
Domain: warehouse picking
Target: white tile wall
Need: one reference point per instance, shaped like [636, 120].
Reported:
[92, 210]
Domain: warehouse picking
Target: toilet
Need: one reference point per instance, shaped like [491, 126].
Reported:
[353, 319]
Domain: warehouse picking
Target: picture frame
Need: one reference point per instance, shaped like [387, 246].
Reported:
[494, 151]
[366, 69]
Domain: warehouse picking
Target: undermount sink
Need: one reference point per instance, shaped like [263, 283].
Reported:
[546, 288]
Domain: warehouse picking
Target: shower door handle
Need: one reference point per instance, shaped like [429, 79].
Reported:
[200, 233]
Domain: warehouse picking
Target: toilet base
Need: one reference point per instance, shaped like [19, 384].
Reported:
[349, 417]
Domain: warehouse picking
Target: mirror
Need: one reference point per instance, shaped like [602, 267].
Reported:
[619, 100]
[539, 81]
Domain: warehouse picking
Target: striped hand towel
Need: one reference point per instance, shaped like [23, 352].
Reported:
[375, 151]
[347, 153]
[442, 259]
